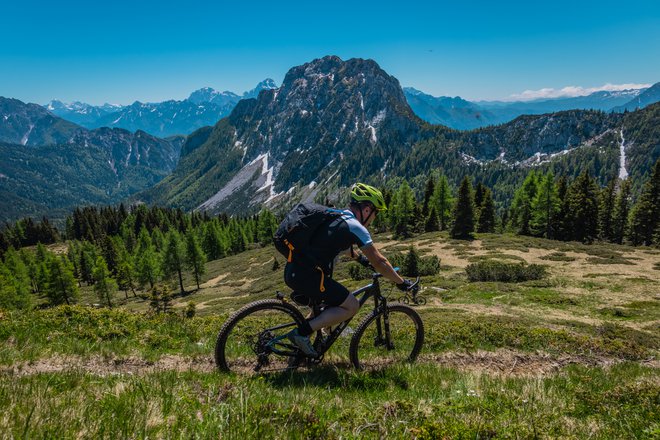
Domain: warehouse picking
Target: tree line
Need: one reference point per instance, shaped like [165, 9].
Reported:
[114, 248]
[106, 253]
[544, 205]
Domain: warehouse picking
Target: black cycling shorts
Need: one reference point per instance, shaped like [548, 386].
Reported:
[306, 285]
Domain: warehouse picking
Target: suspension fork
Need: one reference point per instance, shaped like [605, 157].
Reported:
[382, 322]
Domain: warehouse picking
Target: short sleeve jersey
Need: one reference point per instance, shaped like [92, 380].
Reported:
[338, 235]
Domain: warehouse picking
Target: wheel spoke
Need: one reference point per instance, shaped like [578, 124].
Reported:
[371, 348]
[253, 340]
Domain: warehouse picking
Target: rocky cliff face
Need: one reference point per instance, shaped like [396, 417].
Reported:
[330, 120]
[334, 122]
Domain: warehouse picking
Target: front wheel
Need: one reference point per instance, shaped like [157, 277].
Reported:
[387, 337]
[420, 301]
[252, 340]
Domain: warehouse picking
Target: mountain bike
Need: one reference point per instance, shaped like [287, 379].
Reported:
[412, 298]
[252, 339]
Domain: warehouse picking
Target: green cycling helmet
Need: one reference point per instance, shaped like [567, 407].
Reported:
[366, 193]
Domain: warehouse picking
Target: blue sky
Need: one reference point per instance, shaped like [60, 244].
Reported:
[123, 51]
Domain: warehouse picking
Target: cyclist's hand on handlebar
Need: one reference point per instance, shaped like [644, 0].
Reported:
[363, 261]
[405, 286]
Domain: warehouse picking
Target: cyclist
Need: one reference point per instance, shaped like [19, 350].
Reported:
[338, 235]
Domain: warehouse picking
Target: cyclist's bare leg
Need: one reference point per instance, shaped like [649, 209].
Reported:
[334, 315]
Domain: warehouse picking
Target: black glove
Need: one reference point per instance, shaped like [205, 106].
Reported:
[363, 261]
[405, 286]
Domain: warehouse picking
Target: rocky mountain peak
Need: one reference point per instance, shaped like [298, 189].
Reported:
[326, 107]
[330, 123]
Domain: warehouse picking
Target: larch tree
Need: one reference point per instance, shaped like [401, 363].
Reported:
[195, 258]
[463, 222]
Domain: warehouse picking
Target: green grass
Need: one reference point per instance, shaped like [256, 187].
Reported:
[593, 319]
[425, 401]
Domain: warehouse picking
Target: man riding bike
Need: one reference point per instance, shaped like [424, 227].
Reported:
[338, 235]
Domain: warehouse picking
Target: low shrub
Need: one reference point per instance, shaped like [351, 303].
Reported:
[492, 270]
[557, 256]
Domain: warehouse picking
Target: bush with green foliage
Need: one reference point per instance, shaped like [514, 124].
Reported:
[412, 265]
[493, 270]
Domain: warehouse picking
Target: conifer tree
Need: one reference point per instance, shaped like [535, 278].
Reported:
[443, 201]
[30, 262]
[583, 208]
[143, 241]
[15, 286]
[621, 212]
[195, 258]
[158, 240]
[607, 200]
[211, 242]
[429, 189]
[105, 287]
[562, 222]
[521, 207]
[110, 253]
[645, 215]
[432, 220]
[148, 267]
[486, 219]
[545, 206]
[479, 192]
[42, 253]
[266, 227]
[88, 254]
[128, 237]
[463, 213]
[403, 212]
[126, 271]
[174, 257]
[61, 287]
[411, 263]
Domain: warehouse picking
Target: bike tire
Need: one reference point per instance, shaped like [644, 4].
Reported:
[369, 350]
[421, 301]
[240, 342]
[404, 299]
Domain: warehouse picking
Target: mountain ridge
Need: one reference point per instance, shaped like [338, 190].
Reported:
[203, 107]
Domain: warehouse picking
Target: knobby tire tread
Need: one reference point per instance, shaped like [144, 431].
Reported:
[364, 324]
[225, 330]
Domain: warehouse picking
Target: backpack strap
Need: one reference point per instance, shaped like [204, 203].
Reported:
[322, 286]
[289, 259]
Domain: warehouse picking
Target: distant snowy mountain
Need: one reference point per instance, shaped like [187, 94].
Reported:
[50, 165]
[267, 84]
[79, 112]
[203, 107]
[647, 97]
[452, 112]
[210, 95]
[464, 115]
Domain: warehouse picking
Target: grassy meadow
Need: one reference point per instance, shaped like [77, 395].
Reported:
[573, 355]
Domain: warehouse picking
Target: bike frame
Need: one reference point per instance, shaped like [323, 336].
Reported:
[380, 303]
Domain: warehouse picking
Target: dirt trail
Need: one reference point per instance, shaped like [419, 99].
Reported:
[500, 362]
[213, 282]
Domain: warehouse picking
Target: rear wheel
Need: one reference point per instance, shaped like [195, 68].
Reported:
[383, 338]
[252, 340]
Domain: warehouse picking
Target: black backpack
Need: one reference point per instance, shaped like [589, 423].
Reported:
[293, 236]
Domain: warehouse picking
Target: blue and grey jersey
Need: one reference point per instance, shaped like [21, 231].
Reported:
[337, 235]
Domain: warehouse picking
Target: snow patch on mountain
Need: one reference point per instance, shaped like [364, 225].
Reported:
[623, 173]
[26, 136]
